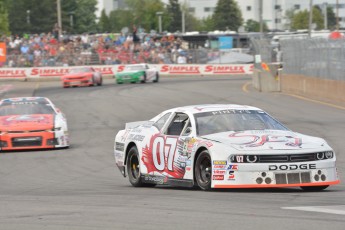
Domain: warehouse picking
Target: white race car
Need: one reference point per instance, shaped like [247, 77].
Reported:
[222, 146]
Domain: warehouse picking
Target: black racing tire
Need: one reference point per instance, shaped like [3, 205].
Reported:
[100, 81]
[314, 188]
[93, 81]
[157, 78]
[133, 167]
[203, 170]
[144, 80]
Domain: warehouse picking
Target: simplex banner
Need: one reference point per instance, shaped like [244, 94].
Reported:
[164, 69]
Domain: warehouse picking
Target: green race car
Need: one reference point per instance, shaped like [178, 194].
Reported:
[137, 73]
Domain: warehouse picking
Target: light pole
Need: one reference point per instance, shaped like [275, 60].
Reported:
[325, 15]
[58, 6]
[71, 13]
[159, 14]
[28, 16]
[310, 17]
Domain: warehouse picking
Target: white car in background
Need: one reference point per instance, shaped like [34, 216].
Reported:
[222, 146]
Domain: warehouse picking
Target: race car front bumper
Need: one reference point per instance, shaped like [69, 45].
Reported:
[265, 175]
[33, 140]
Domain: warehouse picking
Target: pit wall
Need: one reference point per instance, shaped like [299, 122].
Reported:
[313, 87]
[272, 79]
[111, 70]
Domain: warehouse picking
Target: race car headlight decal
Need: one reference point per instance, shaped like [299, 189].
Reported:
[329, 154]
[3, 144]
[56, 129]
[251, 158]
[320, 155]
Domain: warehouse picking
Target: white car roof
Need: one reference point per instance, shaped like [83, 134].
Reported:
[211, 107]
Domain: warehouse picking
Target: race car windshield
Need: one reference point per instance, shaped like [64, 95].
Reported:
[135, 67]
[25, 109]
[234, 120]
[80, 70]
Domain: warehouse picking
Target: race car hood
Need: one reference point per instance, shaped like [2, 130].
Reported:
[26, 122]
[254, 140]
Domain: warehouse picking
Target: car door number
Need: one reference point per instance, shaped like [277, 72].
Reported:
[163, 152]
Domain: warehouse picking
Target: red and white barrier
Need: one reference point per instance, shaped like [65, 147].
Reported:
[165, 70]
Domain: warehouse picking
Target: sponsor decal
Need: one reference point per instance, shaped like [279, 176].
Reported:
[136, 137]
[218, 177]
[219, 166]
[231, 175]
[188, 168]
[12, 73]
[220, 162]
[120, 68]
[177, 69]
[232, 167]
[219, 172]
[291, 167]
[45, 72]
[105, 70]
[232, 69]
[154, 179]
[119, 146]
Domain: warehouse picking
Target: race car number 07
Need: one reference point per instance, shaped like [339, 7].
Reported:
[158, 152]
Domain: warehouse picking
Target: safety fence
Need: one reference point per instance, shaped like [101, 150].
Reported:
[111, 70]
[315, 57]
[322, 58]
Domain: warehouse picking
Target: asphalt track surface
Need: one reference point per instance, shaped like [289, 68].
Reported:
[80, 187]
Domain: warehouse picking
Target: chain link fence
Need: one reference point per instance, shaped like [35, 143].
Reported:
[322, 58]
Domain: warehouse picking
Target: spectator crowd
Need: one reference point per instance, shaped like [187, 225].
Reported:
[40, 50]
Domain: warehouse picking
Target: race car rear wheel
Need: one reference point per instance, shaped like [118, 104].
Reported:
[100, 82]
[144, 78]
[203, 170]
[314, 188]
[157, 78]
[133, 167]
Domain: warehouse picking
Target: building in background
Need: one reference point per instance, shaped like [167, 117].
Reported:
[274, 11]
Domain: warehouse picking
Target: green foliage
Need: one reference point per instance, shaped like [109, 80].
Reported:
[85, 18]
[254, 26]
[175, 14]
[119, 19]
[301, 19]
[331, 18]
[104, 23]
[207, 24]
[227, 15]
[144, 12]
[4, 25]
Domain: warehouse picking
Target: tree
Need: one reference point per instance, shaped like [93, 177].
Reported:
[4, 25]
[227, 15]
[144, 12]
[174, 11]
[301, 19]
[85, 18]
[119, 19]
[254, 26]
[104, 23]
[207, 24]
[331, 18]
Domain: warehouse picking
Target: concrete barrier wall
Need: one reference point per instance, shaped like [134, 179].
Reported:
[313, 87]
[266, 80]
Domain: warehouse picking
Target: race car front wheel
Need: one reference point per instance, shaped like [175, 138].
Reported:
[314, 188]
[133, 167]
[203, 170]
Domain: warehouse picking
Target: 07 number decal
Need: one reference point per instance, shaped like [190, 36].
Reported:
[163, 152]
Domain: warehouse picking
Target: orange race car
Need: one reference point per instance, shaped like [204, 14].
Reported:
[82, 76]
[31, 123]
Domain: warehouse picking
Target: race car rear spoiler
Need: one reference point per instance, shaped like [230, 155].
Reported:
[132, 125]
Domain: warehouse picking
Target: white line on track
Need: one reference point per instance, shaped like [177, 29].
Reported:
[334, 209]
